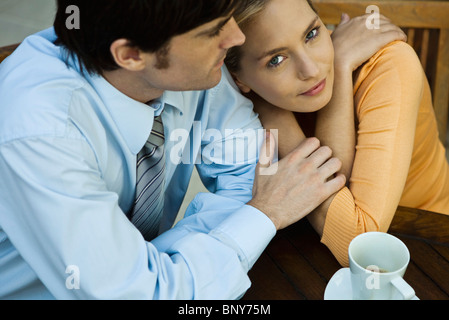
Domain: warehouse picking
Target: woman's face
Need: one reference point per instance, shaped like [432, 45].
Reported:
[288, 57]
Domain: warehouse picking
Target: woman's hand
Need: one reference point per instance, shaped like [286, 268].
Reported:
[354, 43]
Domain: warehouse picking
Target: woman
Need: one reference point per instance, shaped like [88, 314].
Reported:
[370, 103]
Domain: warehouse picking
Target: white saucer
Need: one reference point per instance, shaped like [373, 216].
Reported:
[340, 288]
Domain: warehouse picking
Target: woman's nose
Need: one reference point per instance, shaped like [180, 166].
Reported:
[307, 67]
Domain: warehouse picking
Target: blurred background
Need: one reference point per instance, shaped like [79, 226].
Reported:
[21, 18]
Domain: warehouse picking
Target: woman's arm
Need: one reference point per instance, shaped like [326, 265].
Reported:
[388, 96]
[282, 123]
[335, 127]
[353, 44]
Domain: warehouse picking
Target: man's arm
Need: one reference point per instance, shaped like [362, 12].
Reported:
[58, 212]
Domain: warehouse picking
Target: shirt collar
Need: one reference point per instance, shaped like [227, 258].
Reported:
[133, 119]
[174, 99]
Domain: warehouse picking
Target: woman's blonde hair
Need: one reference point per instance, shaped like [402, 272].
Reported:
[243, 16]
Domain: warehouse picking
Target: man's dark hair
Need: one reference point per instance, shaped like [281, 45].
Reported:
[147, 24]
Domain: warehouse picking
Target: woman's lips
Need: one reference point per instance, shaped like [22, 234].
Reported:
[316, 89]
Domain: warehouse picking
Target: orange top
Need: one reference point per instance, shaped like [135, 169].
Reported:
[399, 158]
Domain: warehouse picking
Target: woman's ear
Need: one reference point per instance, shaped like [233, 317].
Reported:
[243, 87]
[127, 57]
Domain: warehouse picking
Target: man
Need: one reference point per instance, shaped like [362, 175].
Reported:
[76, 118]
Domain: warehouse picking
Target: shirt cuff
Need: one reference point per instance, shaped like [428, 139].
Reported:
[248, 231]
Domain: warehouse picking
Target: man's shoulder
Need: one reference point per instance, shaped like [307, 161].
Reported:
[36, 86]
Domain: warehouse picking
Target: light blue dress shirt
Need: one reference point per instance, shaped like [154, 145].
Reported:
[68, 148]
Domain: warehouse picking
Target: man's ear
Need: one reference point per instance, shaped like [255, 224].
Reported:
[127, 57]
[243, 87]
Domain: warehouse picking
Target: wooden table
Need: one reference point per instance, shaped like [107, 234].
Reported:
[296, 266]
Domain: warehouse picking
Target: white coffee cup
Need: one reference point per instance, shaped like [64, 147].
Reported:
[377, 262]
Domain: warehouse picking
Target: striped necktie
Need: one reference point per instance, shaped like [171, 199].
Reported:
[149, 203]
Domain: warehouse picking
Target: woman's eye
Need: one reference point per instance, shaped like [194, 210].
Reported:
[276, 61]
[312, 34]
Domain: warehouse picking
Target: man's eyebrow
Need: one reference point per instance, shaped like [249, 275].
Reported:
[214, 29]
[273, 51]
